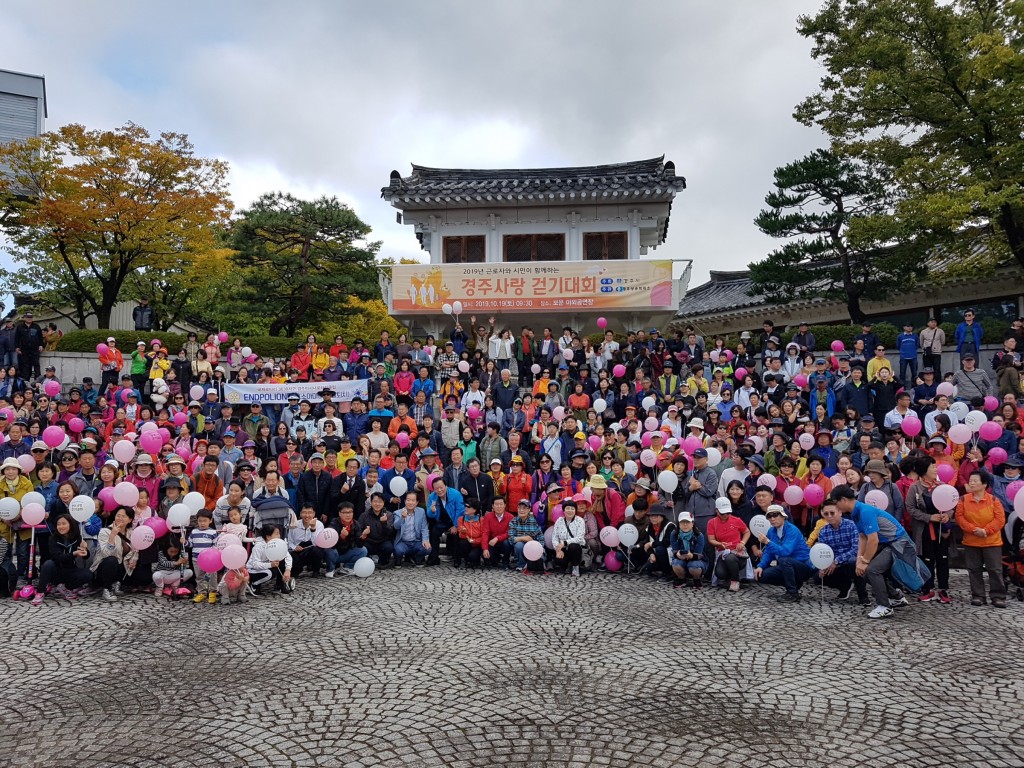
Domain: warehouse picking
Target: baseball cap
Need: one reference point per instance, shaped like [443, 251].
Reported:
[316, 456]
[722, 506]
[580, 436]
[495, 461]
[685, 516]
[700, 453]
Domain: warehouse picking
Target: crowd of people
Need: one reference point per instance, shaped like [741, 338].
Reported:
[682, 459]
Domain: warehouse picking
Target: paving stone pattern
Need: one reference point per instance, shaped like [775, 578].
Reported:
[436, 667]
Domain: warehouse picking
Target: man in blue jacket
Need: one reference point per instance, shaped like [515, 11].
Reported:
[445, 508]
[907, 345]
[412, 537]
[968, 336]
[784, 545]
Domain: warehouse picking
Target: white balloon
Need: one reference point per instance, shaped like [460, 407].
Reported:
[246, 351]
[364, 567]
[9, 508]
[82, 508]
[714, 457]
[149, 426]
[648, 403]
[277, 549]
[668, 480]
[600, 406]
[33, 497]
[178, 516]
[630, 468]
[628, 534]
[457, 309]
[822, 556]
[398, 485]
[975, 419]
[960, 409]
[194, 501]
[446, 308]
[759, 525]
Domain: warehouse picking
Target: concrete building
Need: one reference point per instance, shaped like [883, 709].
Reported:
[547, 246]
[22, 107]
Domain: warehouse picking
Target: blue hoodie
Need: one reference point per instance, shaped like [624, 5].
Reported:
[790, 544]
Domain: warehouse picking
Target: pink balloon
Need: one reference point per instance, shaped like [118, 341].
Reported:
[729, 355]
[225, 540]
[149, 426]
[8, 413]
[102, 349]
[715, 356]
[106, 495]
[559, 413]
[806, 441]
[183, 451]
[838, 346]
[594, 442]
[76, 424]
[758, 442]
[535, 368]
[556, 514]
[612, 563]
[1013, 489]
[990, 430]
[222, 336]
[210, 560]
[945, 472]
[740, 374]
[33, 514]
[648, 458]
[251, 358]
[473, 412]
[945, 498]
[430, 480]
[130, 437]
[165, 434]
[151, 442]
[651, 423]
[960, 434]
[567, 353]
[877, 498]
[142, 537]
[945, 388]
[793, 495]
[326, 539]
[609, 536]
[158, 524]
[197, 462]
[197, 392]
[768, 481]
[52, 388]
[180, 418]
[911, 426]
[997, 456]
[125, 394]
[991, 403]
[602, 322]
[126, 494]
[814, 495]
[53, 436]
[619, 371]
[692, 443]
[645, 440]
[533, 551]
[800, 380]
[124, 451]
[464, 366]
[234, 556]
[402, 438]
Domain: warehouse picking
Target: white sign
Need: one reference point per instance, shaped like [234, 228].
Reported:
[344, 391]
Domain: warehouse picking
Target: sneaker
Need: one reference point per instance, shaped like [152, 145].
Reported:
[977, 601]
[212, 599]
[376, 560]
[38, 599]
[347, 571]
[182, 592]
[86, 592]
[200, 597]
[67, 594]
[734, 586]
[899, 602]
[117, 589]
[845, 595]
[998, 602]
[927, 597]
[329, 575]
[944, 597]
[863, 601]
[790, 597]
[881, 612]
[575, 570]
[677, 583]
[109, 596]
[525, 570]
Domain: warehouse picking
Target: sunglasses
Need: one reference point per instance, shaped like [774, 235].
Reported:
[773, 515]
[38, 450]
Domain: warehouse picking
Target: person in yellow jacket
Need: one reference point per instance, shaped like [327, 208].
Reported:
[160, 363]
[981, 517]
[14, 485]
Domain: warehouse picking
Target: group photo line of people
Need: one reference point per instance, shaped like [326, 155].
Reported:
[674, 457]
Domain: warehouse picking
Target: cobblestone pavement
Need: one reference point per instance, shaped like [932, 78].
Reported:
[436, 667]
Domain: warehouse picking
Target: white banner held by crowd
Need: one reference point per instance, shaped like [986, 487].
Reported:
[344, 391]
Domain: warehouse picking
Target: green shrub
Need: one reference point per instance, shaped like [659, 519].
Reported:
[86, 341]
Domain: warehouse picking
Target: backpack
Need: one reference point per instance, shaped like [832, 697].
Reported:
[908, 576]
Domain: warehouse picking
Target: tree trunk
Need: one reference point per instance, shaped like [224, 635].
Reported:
[1012, 224]
[853, 307]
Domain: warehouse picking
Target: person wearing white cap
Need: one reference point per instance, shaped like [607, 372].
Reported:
[785, 545]
[687, 552]
[728, 535]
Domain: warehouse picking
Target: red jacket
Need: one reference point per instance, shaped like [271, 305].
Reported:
[493, 528]
[518, 486]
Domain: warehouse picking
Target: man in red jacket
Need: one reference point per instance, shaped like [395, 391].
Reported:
[495, 535]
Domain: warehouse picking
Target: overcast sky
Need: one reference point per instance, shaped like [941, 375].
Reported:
[318, 97]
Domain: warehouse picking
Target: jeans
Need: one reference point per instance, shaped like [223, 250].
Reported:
[471, 554]
[843, 576]
[788, 572]
[500, 554]
[348, 559]
[906, 366]
[109, 572]
[72, 578]
[383, 550]
[521, 561]
[661, 564]
[414, 548]
[436, 531]
[23, 547]
[309, 558]
[10, 358]
[992, 559]
[728, 567]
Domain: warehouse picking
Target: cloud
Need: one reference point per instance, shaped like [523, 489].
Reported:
[327, 98]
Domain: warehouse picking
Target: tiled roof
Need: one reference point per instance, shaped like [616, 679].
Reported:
[724, 291]
[642, 180]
